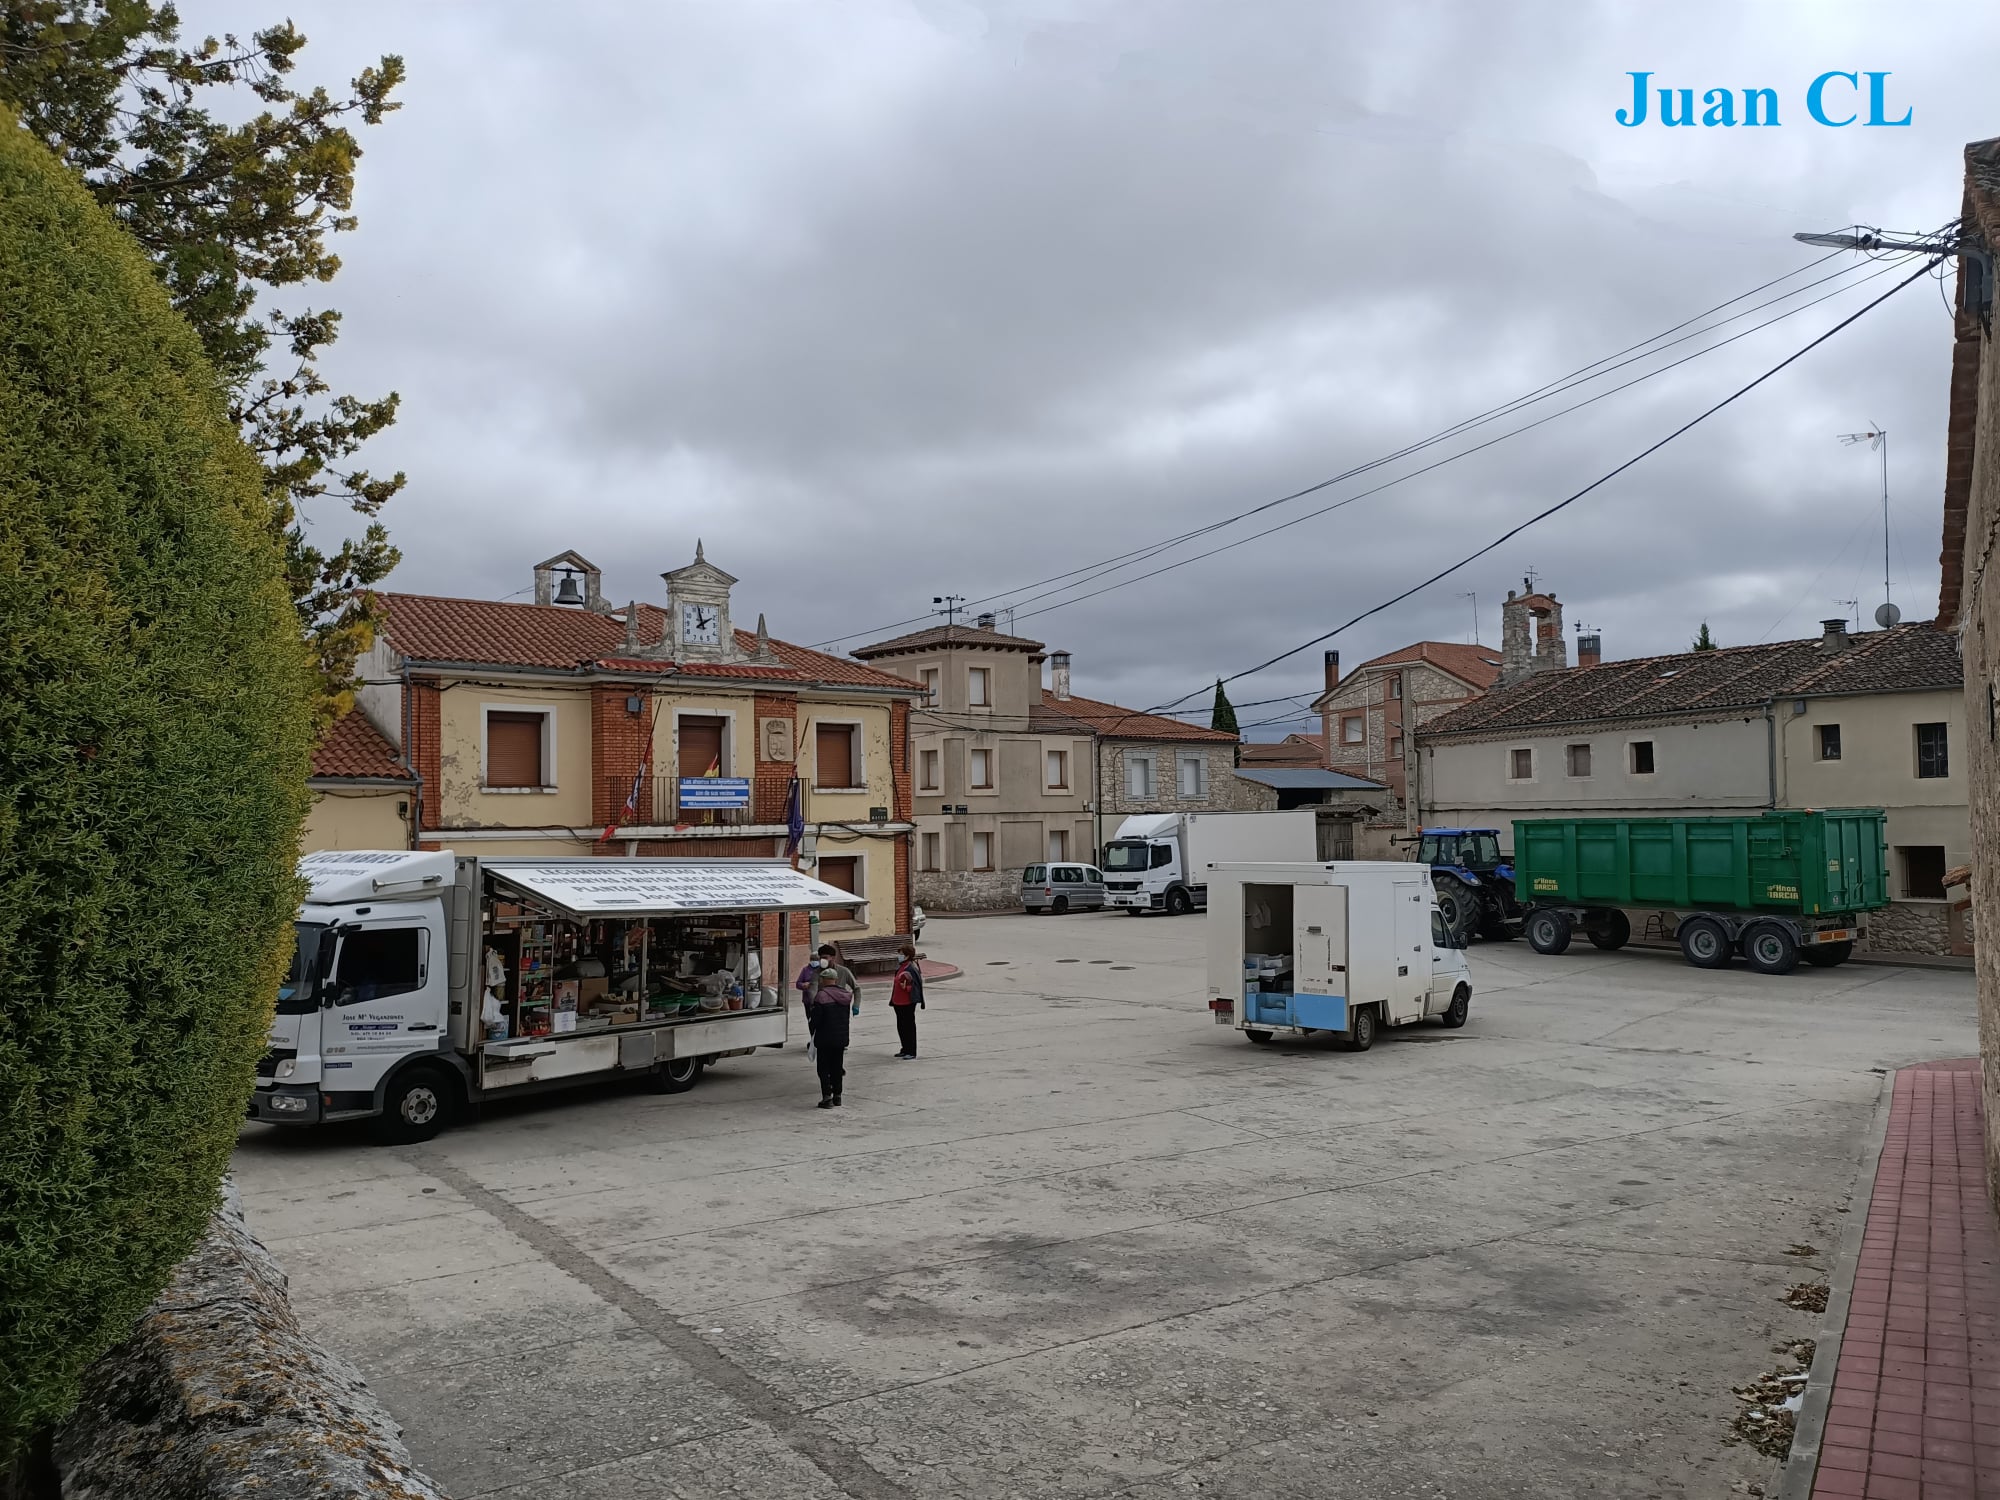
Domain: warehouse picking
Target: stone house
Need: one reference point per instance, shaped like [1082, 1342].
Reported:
[1367, 714]
[573, 727]
[1839, 720]
[1967, 605]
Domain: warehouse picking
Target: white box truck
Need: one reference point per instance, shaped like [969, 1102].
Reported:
[1346, 948]
[1159, 861]
[424, 981]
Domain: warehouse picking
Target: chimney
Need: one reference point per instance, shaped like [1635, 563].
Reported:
[1059, 676]
[1332, 670]
[1589, 650]
[1833, 636]
[985, 621]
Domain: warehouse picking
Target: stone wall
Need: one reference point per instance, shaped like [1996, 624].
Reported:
[968, 890]
[218, 1395]
[1226, 791]
[1907, 927]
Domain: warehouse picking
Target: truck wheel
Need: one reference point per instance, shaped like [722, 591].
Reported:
[1705, 943]
[1827, 955]
[1614, 934]
[1457, 905]
[1178, 903]
[1461, 1006]
[1770, 948]
[1548, 931]
[1259, 1037]
[419, 1103]
[1361, 1029]
[1135, 911]
[1060, 906]
[676, 1075]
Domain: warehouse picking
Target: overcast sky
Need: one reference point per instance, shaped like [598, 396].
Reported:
[886, 299]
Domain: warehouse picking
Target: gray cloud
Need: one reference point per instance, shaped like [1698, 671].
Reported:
[886, 300]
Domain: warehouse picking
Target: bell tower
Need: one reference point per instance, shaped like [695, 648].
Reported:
[571, 579]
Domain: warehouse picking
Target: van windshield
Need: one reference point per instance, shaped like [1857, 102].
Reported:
[1125, 855]
[298, 994]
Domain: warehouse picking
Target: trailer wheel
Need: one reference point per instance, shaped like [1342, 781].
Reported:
[1705, 943]
[1461, 1006]
[676, 1075]
[1614, 934]
[1179, 903]
[1060, 906]
[1770, 948]
[419, 1103]
[1827, 955]
[1549, 931]
[1259, 1037]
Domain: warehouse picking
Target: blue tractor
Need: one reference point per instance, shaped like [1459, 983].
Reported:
[1474, 883]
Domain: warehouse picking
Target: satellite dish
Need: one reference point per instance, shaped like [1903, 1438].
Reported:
[1887, 615]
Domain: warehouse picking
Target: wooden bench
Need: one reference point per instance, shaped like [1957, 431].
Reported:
[875, 955]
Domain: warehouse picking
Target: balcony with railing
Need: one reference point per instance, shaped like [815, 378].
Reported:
[668, 809]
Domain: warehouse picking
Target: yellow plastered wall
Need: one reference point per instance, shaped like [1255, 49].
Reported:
[360, 818]
[847, 807]
[464, 803]
[740, 740]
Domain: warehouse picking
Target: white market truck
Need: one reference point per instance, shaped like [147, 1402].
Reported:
[425, 982]
[1343, 948]
[1159, 861]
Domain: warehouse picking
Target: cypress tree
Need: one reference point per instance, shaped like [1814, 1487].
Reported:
[1224, 716]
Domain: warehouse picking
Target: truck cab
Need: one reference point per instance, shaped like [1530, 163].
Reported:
[1142, 868]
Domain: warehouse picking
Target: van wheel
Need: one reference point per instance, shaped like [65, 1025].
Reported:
[1705, 943]
[1259, 1037]
[1461, 1006]
[1361, 1029]
[419, 1104]
[1614, 934]
[1770, 948]
[676, 1075]
[1827, 955]
[1178, 903]
[1548, 932]
[1060, 906]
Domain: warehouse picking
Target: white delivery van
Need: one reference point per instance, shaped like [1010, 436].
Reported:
[425, 981]
[1347, 948]
[1159, 861]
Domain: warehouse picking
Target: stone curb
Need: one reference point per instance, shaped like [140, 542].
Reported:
[1802, 1463]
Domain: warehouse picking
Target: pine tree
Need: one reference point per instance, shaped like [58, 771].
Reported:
[1224, 717]
[1704, 641]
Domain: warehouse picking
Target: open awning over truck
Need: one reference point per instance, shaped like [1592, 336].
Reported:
[638, 888]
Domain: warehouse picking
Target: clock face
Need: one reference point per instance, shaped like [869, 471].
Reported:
[701, 624]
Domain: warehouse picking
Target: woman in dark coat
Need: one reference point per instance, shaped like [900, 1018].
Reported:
[831, 1008]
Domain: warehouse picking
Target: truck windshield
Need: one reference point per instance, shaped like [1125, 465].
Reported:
[298, 995]
[1126, 856]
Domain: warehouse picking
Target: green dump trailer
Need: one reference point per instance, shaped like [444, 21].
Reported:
[1775, 886]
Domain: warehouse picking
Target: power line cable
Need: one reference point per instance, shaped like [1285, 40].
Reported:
[1567, 501]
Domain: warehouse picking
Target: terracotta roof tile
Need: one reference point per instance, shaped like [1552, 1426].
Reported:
[1907, 658]
[497, 633]
[1088, 716]
[1477, 665]
[354, 748]
[1294, 750]
[946, 635]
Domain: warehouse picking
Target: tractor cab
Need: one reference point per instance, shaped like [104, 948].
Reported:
[1473, 880]
[1473, 850]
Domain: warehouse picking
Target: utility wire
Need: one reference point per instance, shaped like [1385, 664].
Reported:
[1552, 387]
[1600, 481]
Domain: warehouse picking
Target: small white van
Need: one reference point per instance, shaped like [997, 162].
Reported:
[1062, 886]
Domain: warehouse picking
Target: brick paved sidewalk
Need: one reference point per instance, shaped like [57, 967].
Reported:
[1915, 1409]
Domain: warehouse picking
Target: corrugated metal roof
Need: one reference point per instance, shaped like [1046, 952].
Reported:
[1306, 778]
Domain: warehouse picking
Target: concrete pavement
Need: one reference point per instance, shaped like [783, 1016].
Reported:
[1092, 1244]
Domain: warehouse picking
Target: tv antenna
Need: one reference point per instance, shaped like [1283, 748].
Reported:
[1853, 608]
[1878, 439]
[1475, 615]
[952, 603]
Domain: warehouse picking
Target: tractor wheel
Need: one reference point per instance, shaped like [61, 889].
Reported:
[1458, 906]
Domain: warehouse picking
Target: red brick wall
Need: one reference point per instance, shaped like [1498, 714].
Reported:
[617, 745]
[426, 735]
[903, 883]
[899, 758]
[772, 780]
[719, 848]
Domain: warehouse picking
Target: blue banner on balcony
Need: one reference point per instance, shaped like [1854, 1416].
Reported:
[714, 791]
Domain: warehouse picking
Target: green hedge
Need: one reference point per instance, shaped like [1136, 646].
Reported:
[154, 737]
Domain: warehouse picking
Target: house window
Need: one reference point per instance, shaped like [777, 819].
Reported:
[1058, 843]
[1521, 764]
[1058, 770]
[1395, 747]
[1193, 774]
[931, 686]
[1642, 757]
[1932, 761]
[1352, 730]
[982, 772]
[1139, 776]
[979, 686]
[836, 765]
[842, 872]
[929, 783]
[1923, 871]
[1828, 736]
[932, 844]
[1578, 759]
[515, 750]
[1395, 684]
[982, 851]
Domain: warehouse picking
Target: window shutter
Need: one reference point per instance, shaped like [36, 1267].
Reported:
[514, 750]
[833, 756]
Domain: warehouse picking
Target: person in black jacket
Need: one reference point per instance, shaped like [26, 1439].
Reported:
[831, 1009]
